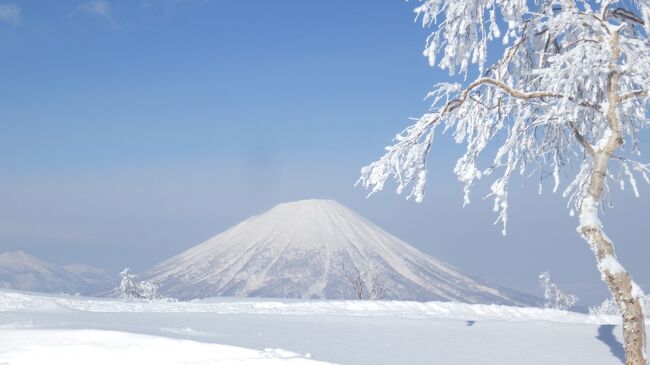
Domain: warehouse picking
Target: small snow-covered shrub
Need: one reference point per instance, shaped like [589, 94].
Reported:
[130, 289]
[609, 307]
[554, 297]
[148, 290]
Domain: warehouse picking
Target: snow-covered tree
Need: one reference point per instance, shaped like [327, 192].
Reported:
[127, 288]
[130, 289]
[567, 97]
[554, 297]
[366, 284]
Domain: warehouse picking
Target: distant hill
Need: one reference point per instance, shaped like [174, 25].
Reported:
[21, 271]
[317, 249]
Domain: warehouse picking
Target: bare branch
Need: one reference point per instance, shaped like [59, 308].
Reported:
[633, 94]
[581, 139]
[626, 16]
[518, 94]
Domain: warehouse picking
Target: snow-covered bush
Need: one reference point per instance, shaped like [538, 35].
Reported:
[127, 288]
[609, 307]
[554, 297]
[130, 289]
[148, 290]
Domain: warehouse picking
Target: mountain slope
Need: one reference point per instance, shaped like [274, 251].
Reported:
[21, 271]
[306, 249]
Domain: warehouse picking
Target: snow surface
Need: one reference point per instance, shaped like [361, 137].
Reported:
[64, 329]
[292, 250]
[82, 347]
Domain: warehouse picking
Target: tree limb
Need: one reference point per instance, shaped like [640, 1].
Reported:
[581, 139]
[633, 94]
[518, 94]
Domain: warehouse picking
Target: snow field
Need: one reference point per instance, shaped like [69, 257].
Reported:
[83, 347]
[36, 329]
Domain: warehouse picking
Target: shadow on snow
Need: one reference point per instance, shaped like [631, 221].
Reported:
[606, 335]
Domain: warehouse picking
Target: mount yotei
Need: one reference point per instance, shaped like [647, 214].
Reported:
[317, 249]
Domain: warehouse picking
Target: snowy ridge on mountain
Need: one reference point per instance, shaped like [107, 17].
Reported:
[21, 271]
[304, 249]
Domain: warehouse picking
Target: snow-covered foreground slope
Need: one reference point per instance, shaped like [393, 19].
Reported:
[343, 332]
[83, 347]
[306, 249]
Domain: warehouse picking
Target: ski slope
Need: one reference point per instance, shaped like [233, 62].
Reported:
[75, 330]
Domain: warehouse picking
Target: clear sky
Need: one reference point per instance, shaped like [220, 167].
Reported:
[131, 130]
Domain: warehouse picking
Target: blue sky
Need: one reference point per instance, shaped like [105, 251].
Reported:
[131, 130]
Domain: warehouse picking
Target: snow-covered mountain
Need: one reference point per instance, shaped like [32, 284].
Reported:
[21, 271]
[317, 249]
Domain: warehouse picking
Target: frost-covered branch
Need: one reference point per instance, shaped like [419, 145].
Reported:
[545, 99]
[554, 297]
[634, 94]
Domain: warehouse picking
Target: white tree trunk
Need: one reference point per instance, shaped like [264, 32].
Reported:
[624, 291]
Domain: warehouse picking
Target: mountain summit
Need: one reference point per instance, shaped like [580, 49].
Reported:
[317, 249]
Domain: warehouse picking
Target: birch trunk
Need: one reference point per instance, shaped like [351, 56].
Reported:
[624, 291]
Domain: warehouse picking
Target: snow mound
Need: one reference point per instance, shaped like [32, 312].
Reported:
[82, 347]
[303, 249]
